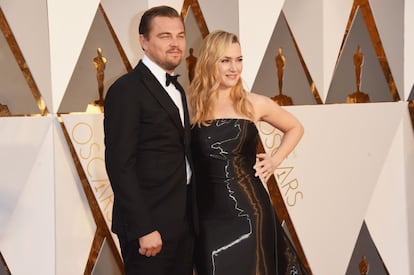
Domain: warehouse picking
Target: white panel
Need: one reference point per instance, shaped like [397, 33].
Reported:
[408, 48]
[386, 217]
[305, 18]
[87, 136]
[69, 23]
[14, 92]
[176, 4]
[328, 180]
[75, 226]
[28, 21]
[254, 42]
[409, 180]
[124, 17]
[27, 239]
[219, 19]
[390, 26]
[335, 18]
[19, 137]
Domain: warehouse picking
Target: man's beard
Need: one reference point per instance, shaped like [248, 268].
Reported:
[171, 65]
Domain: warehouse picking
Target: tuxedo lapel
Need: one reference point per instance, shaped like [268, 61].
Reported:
[187, 129]
[184, 101]
[159, 93]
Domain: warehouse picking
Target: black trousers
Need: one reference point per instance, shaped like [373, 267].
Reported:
[175, 258]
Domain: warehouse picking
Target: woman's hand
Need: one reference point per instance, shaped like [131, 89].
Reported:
[265, 166]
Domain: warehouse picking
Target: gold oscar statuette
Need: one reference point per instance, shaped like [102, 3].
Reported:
[281, 99]
[4, 110]
[358, 96]
[363, 266]
[191, 61]
[99, 63]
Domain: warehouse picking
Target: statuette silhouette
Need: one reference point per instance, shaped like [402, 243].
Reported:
[358, 62]
[411, 110]
[280, 61]
[358, 96]
[4, 110]
[191, 61]
[100, 63]
[363, 266]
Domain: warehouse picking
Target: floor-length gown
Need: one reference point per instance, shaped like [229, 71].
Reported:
[239, 232]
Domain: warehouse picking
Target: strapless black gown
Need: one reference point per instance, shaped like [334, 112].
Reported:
[238, 227]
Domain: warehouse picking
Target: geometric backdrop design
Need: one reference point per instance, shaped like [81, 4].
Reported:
[347, 188]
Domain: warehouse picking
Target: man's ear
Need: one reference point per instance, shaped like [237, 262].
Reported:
[143, 41]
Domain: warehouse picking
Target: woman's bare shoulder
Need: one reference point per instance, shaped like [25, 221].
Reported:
[259, 99]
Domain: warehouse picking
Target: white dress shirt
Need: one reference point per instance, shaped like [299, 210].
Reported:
[174, 94]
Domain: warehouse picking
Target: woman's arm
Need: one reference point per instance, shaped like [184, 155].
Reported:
[269, 111]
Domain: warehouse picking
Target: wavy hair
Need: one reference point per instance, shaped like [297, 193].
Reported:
[205, 84]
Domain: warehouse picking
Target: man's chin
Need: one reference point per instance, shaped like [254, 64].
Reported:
[173, 64]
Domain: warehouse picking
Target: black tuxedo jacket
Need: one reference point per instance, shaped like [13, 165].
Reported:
[145, 152]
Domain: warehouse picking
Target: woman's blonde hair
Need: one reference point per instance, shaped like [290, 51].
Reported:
[206, 81]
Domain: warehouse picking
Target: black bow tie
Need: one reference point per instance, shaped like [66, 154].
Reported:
[172, 79]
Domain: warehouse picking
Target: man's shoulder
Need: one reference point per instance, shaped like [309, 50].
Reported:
[132, 77]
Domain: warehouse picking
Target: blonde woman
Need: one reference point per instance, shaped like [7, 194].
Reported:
[238, 227]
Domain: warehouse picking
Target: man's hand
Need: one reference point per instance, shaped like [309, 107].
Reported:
[150, 244]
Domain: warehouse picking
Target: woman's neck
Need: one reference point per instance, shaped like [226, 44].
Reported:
[224, 94]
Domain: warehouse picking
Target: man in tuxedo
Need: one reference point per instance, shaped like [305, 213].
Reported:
[147, 139]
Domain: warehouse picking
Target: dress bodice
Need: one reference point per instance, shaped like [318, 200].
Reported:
[230, 140]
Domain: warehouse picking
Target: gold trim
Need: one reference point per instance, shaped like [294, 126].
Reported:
[102, 230]
[116, 40]
[369, 19]
[98, 241]
[202, 25]
[18, 55]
